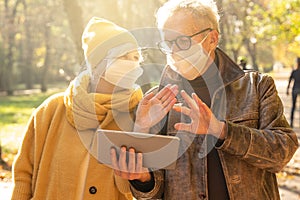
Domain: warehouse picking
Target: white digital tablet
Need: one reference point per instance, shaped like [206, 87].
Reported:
[159, 152]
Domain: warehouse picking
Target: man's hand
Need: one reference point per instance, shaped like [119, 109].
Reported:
[154, 108]
[203, 121]
[133, 170]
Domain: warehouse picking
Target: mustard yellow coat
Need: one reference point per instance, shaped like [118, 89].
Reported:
[55, 163]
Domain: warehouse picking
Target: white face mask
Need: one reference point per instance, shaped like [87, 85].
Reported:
[123, 73]
[190, 63]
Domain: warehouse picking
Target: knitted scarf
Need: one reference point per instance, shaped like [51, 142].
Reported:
[89, 110]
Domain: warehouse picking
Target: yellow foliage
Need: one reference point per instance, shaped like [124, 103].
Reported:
[40, 51]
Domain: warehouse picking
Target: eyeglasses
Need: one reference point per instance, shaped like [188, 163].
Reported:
[183, 42]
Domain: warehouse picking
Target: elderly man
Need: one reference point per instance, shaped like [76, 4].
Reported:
[234, 136]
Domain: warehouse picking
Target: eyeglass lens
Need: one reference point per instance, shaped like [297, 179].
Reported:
[182, 43]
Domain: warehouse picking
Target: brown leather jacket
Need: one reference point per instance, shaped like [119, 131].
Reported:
[259, 140]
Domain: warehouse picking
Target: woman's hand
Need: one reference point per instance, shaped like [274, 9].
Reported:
[154, 108]
[203, 121]
[133, 170]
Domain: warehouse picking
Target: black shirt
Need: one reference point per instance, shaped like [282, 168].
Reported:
[204, 87]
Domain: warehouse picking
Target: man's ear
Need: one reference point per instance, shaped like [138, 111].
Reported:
[214, 39]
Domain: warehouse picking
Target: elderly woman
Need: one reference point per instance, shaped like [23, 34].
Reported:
[57, 159]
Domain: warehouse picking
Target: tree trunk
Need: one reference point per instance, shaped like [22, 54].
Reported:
[74, 13]
[251, 48]
[8, 70]
[8, 44]
[45, 69]
[28, 52]
[223, 39]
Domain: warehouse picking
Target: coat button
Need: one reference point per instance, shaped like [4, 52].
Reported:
[93, 190]
[201, 153]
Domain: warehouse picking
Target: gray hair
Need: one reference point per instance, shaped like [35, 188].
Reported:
[205, 10]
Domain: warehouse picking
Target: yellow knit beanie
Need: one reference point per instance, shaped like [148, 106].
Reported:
[101, 35]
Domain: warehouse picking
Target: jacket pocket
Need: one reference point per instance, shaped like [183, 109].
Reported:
[248, 119]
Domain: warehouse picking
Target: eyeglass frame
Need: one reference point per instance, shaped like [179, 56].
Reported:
[182, 36]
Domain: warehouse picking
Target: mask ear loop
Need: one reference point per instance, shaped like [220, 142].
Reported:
[200, 43]
[207, 55]
[203, 51]
[110, 57]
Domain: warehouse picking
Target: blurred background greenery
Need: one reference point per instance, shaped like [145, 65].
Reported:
[40, 40]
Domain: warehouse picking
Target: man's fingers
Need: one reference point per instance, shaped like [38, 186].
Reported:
[182, 109]
[198, 100]
[183, 127]
[203, 108]
[191, 102]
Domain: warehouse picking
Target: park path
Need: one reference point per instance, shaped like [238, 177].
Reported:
[288, 178]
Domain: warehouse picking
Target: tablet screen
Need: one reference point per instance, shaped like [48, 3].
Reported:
[159, 152]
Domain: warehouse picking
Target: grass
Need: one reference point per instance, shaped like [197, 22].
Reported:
[15, 112]
[17, 109]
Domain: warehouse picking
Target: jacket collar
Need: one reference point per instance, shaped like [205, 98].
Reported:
[229, 70]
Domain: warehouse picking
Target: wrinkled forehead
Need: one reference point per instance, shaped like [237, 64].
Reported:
[182, 22]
